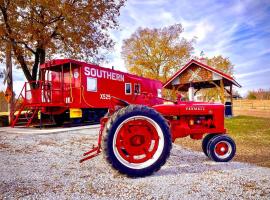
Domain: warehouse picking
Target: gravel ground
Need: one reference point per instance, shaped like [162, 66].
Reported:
[45, 166]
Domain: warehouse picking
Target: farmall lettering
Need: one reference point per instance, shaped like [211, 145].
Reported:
[196, 108]
[99, 73]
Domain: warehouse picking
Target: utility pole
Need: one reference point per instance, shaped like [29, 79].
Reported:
[9, 81]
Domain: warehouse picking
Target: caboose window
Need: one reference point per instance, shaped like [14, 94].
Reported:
[137, 89]
[128, 88]
[91, 84]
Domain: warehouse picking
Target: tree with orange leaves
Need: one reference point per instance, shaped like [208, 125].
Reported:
[156, 53]
[221, 63]
[39, 29]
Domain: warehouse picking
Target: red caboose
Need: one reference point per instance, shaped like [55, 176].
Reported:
[82, 91]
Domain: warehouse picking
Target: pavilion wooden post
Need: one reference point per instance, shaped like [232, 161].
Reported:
[222, 91]
[174, 91]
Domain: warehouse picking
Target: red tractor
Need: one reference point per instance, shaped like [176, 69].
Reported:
[137, 139]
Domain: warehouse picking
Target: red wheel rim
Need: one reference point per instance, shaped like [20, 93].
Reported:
[223, 149]
[137, 142]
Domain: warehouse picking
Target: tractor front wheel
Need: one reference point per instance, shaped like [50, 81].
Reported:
[221, 148]
[205, 142]
[137, 141]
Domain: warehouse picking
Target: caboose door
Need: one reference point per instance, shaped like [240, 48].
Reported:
[72, 85]
[76, 85]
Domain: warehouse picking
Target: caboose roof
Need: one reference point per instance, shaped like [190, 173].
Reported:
[58, 62]
[228, 80]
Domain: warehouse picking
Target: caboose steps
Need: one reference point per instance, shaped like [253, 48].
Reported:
[24, 116]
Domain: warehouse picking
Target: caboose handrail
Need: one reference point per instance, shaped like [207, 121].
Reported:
[42, 91]
[18, 99]
[21, 92]
[15, 107]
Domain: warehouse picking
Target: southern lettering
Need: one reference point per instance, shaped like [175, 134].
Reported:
[99, 73]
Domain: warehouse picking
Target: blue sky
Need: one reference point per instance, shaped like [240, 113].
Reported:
[238, 29]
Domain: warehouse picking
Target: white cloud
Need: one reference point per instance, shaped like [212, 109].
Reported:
[252, 73]
[17, 87]
[202, 29]
[130, 21]
[239, 7]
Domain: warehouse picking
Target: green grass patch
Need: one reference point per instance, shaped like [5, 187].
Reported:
[252, 138]
[249, 129]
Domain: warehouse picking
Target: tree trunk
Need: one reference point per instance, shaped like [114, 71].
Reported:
[35, 67]
[42, 55]
[10, 80]
[22, 62]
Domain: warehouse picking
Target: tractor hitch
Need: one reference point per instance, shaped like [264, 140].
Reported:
[96, 150]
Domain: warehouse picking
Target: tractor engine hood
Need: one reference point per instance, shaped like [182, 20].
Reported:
[189, 108]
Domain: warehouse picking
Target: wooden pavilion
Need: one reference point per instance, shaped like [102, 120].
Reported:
[198, 75]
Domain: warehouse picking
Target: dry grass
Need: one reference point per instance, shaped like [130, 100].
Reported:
[252, 137]
[252, 104]
[256, 108]
[252, 112]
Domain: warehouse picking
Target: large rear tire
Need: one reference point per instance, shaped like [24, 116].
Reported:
[137, 141]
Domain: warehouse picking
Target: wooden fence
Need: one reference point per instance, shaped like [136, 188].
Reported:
[251, 104]
[256, 108]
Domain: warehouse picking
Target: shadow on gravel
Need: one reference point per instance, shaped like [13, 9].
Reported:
[183, 161]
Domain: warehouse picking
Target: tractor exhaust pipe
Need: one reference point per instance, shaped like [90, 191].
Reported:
[191, 92]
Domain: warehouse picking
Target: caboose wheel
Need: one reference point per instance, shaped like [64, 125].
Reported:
[137, 141]
[221, 148]
[59, 119]
[205, 141]
[77, 120]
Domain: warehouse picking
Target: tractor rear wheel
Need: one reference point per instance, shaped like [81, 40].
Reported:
[205, 141]
[221, 148]
[137, 141]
